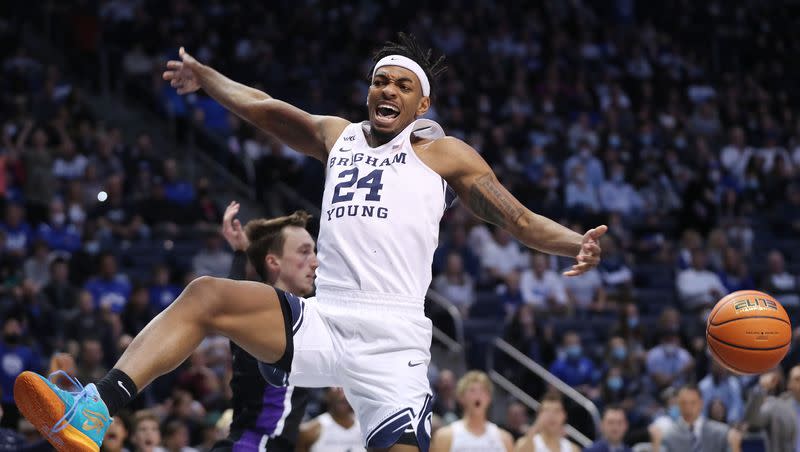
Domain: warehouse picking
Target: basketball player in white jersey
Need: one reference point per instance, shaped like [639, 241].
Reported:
[473, 432]
[547, 433]
[335, 430]
[387, 185]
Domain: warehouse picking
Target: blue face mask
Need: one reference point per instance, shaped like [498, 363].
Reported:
[614, 383]
[619, 353]
[674, 412]
[574, 351]
[633, 322]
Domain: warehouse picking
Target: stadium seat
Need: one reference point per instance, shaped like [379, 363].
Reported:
[755, 442]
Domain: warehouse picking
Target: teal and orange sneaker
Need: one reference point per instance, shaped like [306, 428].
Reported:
[71, 421]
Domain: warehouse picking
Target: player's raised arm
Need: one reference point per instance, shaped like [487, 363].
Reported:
[310, 134]
[476, 184]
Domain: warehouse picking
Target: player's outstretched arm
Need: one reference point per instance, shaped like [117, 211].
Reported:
[477, 186]
[310, 134]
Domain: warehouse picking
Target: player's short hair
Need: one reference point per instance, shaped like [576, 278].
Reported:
[474, 376]
[553, 397]
[172, 427]
[612, 407]
[266, 236]
[408, 46]
[691, 387]
[142, 416]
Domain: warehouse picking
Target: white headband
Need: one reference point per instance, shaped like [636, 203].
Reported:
[408, 63]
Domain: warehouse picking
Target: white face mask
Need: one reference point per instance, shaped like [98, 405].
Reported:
[58, 219]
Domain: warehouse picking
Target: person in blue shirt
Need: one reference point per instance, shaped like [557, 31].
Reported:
[162, 291]
[18, 232]
[14, 358]
[613, 427]
[719, 384]
[57, 233]
[109, 288]
[177, 190]
[574, 367]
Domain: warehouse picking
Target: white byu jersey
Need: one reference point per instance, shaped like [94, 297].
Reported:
[380, 217]
[335, 438]
[466, 441]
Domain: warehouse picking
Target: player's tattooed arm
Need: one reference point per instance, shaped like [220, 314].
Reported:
[492, 202]
[477, 186]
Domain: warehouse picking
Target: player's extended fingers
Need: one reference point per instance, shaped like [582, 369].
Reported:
[597, 232]
[174, 65]
[229, 214]
[237, 225]
[587, 259]
[578, 269]
[591, 248]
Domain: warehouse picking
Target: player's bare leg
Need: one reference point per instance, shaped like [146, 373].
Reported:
[248, 313]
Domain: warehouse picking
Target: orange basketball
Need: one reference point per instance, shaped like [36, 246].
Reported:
[748, 332]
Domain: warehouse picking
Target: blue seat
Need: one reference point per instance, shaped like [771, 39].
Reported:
[754, 442]
[487, 306]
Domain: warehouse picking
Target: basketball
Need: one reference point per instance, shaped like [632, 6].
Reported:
[748, 332]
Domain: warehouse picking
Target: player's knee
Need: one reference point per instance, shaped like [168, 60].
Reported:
[204, 295]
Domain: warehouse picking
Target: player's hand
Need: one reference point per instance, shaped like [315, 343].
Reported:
[589, 255]
[180, 74]
[232, 228]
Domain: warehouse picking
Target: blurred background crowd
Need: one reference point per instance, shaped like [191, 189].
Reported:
[675, 123]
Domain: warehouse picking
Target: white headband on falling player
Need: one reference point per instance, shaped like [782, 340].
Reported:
[408, 63]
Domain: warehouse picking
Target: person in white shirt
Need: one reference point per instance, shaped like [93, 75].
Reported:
[502, 255]
[541, 286]
[697, 286]
[617, 195]
[547, 433]
[456, 284]
[586, 292]
[734, 156]
[473, 432]
[780, 283]
[336, 430]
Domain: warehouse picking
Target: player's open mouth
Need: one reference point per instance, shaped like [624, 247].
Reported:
[386, 112]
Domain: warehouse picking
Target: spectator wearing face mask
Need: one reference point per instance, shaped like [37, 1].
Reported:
[56, 232]
[669, 364]
[574, 367]
[664, 418]
[617, 195]
[595, 175]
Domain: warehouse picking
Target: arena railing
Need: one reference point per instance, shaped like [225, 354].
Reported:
[526, 362]
[454, 344]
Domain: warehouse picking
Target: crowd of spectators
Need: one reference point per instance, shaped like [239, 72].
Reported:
[675, 123]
